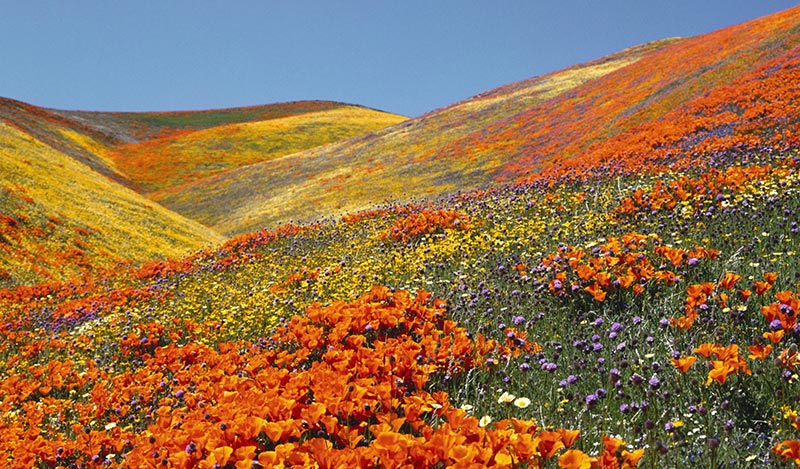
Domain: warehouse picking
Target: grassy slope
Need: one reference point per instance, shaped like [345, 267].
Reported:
[369, 169]
[581, 115]
[72, 137]
[60, 217]
[141, 126]
[163, 163]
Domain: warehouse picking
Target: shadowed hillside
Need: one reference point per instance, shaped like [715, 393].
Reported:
[634, 105]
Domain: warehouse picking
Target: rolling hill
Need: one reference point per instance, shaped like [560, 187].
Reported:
[620, 291]
[59, 218]
[582, 117]
[74, 182]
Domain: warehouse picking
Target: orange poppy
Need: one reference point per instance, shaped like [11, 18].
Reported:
[684, 363]
[568, 437]
[596, 291]
[574, 459]
[759, 352]
[729, 280]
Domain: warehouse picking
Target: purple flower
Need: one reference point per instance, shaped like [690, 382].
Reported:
[663, 322]
[624, 408]
[517, 320]
[636, 320]
[693, 261]
[614, 375]
[775, 325]
[654, 382]
[572, 379]
[590, 400]
[616, 327]
[728, 425]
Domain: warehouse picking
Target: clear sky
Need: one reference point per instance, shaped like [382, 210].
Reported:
[402, 56]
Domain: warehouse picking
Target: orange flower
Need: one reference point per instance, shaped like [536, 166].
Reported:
[684, 363]
[729, 280]
[719, 372]
[631, 458]
[761, 287]
[759, 352]
[770, 277]
[788, 449]
[548, 443]
[574, 459]
[774, 336]
[568, 437]
[598, 293]
[705, 349]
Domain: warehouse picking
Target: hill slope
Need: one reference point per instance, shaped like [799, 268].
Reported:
[624, 105]
[188, 155]
[58, 217]
[43, 206]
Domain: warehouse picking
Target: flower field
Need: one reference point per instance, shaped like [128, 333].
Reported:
[641, 320]
[629, 299]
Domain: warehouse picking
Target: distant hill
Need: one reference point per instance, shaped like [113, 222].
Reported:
[73, 183]
[645, 102]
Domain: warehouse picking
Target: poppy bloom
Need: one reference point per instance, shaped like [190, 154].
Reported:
[684, 363]
[574, 459]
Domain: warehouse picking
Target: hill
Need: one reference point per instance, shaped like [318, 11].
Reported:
[70, 178]
[631, 305]
[187, 155]
[59, 218]
[644, 103]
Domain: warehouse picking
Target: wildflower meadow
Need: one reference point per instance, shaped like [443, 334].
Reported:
[633, 306]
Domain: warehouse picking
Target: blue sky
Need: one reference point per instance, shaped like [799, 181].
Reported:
[404, 56]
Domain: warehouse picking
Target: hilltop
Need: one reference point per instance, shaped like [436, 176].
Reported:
[672, 96]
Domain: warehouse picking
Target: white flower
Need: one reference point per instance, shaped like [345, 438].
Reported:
[466, 407]
[506, 397]
[522, 402]
[485, 420]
